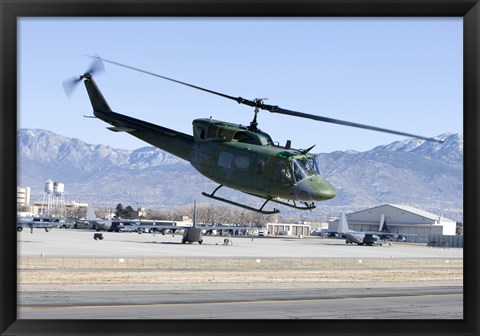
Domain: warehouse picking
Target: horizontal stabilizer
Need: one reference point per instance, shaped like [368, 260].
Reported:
[121, 129]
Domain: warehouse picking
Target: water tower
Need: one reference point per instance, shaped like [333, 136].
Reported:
[59, 198]
[53, 199]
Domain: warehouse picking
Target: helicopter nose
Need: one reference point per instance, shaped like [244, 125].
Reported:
[327, 193]
[315, 188]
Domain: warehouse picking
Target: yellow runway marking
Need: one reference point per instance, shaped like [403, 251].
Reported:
[234, 302]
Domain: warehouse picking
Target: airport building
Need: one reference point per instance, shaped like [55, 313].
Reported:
[23, 196]
[70, 209]
[399, 219]
[288, 229]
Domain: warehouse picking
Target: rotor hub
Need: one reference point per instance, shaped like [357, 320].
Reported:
[88, 75]
[258, 104]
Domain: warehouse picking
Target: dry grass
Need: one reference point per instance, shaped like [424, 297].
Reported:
[31, 277]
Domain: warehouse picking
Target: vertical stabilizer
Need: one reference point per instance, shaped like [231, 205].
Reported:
[90, 214]
[381, 224]
[343, 224]
[99, 103]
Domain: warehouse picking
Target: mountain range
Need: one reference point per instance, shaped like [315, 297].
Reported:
[414, 172]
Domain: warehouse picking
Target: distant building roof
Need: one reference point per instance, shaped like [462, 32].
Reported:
[413, 210]
[420, 212]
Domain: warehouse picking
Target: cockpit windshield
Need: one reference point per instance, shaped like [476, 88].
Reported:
[303, 168]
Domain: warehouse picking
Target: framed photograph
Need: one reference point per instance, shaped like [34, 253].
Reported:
[339, 76]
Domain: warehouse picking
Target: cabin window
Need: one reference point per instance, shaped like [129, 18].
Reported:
[241, 162]
[225, 159]
[229, 160]
[260, 166]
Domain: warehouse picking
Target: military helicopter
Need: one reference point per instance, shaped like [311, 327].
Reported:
[240, 157]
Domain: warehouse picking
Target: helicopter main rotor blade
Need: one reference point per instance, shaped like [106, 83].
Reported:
[258, 103]
[277, 109]
[237, 99]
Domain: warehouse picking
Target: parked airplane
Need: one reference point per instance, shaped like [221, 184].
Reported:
[130, 225]
[111, 225]
[37, 222]
[357, 237]
[386, 234]
[370, 237]
[191, 234]
[97, 223]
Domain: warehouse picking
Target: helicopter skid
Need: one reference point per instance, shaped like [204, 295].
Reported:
[295, 206]
[264, 212]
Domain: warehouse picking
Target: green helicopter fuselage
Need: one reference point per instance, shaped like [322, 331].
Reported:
[229, 154]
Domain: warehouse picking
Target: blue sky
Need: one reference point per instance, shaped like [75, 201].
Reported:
[402, 73]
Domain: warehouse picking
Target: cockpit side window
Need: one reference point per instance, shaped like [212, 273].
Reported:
[282, 172]
[303, 168]
[298, 171]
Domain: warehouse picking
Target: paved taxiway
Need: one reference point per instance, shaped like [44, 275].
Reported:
[79, 243]
[323, 300]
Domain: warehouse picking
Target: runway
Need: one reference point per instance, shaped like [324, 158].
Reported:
[66, 274]
[443, 302]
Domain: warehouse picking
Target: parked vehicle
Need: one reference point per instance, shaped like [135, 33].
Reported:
[262, 232]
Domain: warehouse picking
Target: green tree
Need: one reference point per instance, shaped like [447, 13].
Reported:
[128, 212]
[119, 211]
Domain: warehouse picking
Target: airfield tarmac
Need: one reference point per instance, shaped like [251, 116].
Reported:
[80, 243]
[65, 274]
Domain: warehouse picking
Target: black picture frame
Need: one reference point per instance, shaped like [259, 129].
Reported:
[11, 10]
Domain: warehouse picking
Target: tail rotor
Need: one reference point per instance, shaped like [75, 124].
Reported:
[96, 67]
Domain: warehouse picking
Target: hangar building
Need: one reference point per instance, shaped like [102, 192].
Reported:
[399, 219]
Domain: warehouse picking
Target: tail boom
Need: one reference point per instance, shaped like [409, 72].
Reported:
[174, 142]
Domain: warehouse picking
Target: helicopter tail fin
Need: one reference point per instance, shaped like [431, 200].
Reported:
[99, 103]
